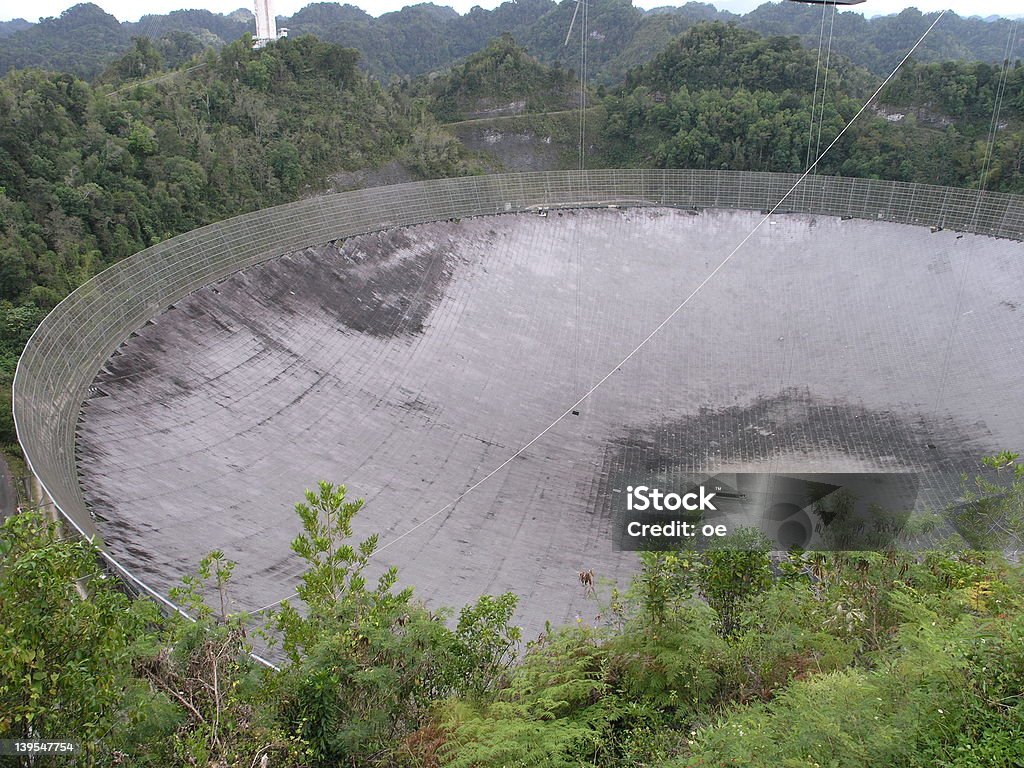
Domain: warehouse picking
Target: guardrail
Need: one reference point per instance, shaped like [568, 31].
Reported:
[73, 342]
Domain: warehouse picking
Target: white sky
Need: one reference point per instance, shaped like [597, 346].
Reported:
[131, 10]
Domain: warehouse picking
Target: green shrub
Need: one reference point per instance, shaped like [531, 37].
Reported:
[558, 710]
[67, 635]
[367, 664]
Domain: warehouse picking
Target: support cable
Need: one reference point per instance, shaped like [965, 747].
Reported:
[583, 84]
[824, 87]
[997, 109]
[578, 251]
[814, 96]
[810, 135]
[156, 79]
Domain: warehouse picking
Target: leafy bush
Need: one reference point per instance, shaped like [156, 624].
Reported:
[60, 653]
[367, 664]
[558, 709]
[719, 657]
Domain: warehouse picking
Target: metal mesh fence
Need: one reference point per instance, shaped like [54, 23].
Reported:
[74, 341]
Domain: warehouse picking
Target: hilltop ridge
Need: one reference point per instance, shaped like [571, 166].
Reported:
[428, 37]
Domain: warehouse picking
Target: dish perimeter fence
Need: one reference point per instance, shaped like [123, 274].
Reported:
[75, 340]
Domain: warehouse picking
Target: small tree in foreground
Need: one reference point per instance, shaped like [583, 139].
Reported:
[727, 575]
[993, 516]
[68, 638]
[367, 662]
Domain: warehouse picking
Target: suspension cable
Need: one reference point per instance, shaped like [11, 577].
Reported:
[578, 261]
[583, 83]
[997, 107]
[814, 96]
[824, 87]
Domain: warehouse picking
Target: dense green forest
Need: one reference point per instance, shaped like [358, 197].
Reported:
[722, 97]
[503, 79]
[724, 657]
[15, 25]
[425, 38]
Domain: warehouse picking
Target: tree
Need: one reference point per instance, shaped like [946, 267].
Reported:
[992, 516]
[727, 575]
[731, 572]
[368, 663]
[67, 636]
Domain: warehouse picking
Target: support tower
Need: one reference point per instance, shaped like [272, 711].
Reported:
[266, 25]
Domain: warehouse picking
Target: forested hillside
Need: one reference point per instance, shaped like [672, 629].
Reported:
[425, 37]
[82, 40]
[722, 97]
[502, 79]
[12, 26]
[879, 43]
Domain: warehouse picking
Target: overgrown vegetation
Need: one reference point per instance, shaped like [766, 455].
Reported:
[722, 657]
[501, 79]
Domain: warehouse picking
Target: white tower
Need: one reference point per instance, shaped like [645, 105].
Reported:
[266, 25]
